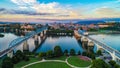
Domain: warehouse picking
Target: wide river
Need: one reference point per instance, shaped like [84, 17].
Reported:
[65, 42]
[4, 41]
[112, 40]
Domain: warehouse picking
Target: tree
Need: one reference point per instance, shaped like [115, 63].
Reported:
[90, 55]
[99, 63]
[72, 52]
[79, 53]
[26, 58]
[116, 66]
[112, 63]
[14, 59]
[66, 52]
[19, 55]
[84, 53]
[7, 63]
[99, 52]
[42, 55]
[58, 51]
[49, 54]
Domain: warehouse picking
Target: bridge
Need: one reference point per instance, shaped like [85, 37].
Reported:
[114, 53]
[20, 40]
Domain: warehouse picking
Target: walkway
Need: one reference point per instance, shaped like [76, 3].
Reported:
[17, 41]
[104, 46]
[72, 66]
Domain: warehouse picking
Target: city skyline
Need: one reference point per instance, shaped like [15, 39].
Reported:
[40, 10]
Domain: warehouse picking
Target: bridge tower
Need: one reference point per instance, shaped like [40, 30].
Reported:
[90, 46]
[85, 42]
[113, 55]
[99, 47]
[25, 46]
[10, 54]
[36, 41]
[44, 32]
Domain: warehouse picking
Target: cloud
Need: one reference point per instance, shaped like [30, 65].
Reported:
[52, 7]
[107, 12]
[22, 12]
[24, 2]
[56, 10]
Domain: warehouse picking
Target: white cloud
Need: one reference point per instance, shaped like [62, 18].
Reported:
[82, 11]
[52, 7]
[29, 1]
[107, 12]
[24, 2]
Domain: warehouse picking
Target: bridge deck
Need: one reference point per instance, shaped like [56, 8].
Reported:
[105, 46]
[17, 41]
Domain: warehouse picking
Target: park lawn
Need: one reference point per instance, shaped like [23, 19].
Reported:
[76, 61]
[49, 65]
[22, 63]
[58, 58]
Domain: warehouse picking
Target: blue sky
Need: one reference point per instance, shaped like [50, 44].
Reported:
[58, 9]
[75, 1]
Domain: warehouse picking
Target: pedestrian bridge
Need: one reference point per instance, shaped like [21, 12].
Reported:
[20, 40]
[114, 53]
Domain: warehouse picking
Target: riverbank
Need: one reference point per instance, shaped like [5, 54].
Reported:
[104, 32]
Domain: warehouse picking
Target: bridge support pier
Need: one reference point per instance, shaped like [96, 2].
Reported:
[85, 43]
[25, 46]
[99, 48]
[90, 46]
[113, 56]
[118, 60]
[10, 54]
[36, 41]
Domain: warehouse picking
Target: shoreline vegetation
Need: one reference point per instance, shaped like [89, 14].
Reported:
[58, 32]
[103, 32]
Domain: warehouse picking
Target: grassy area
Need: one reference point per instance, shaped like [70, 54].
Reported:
[76, 61]
[57, 58]
[22, 63]
[49, 65]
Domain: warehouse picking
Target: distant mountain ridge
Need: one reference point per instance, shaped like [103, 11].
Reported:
[95, 21]
[78, 21]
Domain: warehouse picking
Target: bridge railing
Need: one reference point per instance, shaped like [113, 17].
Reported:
[110, 49]
[17, 41]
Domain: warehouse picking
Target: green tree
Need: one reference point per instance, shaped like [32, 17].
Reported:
[116, 66]
[84, 53]
[7, 63]
[58, 51]
[99, 63]
[66, 52]
[72, 52]
[14, 59]
[49, 54]
[19, 55]
[90, 55]
[112, 63]
[79, 53]
[42, 55]
[99, 52]
[26, 58]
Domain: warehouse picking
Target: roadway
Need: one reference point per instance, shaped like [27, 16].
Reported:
[18, 41]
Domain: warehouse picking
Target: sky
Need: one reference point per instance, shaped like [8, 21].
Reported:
[45, 10]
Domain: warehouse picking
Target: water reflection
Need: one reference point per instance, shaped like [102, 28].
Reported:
[4, 41]
[65, 42]
[109, 39]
